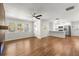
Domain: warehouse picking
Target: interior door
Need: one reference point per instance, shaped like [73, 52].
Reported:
[2, 32]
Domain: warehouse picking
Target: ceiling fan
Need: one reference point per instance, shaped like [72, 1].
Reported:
[37, 16]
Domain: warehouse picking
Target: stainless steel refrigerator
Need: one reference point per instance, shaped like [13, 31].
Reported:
[67, 29]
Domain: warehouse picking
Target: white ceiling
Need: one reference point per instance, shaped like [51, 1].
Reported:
[50, 11]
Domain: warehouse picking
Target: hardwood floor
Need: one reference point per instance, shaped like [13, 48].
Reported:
[49, 46]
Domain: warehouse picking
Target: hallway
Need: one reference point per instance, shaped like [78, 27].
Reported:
[49, 46]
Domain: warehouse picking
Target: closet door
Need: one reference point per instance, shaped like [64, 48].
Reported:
[2, 31]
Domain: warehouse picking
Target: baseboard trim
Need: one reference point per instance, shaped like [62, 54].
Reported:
[19, 39]
[36, 37]
[57, 37]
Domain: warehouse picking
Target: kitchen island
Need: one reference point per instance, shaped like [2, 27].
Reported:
[60, 34]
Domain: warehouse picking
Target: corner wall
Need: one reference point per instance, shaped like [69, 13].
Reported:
[75, 28]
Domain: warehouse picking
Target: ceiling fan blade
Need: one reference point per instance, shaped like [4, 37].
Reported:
[39, 16]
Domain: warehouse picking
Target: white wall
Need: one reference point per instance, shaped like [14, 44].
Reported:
[37, 28]
[51, 25]
[18, 35]
[75, 28]
[44, 28]
[41, 28]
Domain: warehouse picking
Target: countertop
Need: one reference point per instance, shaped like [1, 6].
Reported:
[60, 34]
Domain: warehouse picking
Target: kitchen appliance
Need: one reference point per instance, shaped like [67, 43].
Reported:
[67, 30]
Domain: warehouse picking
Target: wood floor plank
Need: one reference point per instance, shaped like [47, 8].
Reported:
[48, 46]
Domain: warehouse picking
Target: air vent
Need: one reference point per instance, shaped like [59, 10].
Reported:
[70, 8]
